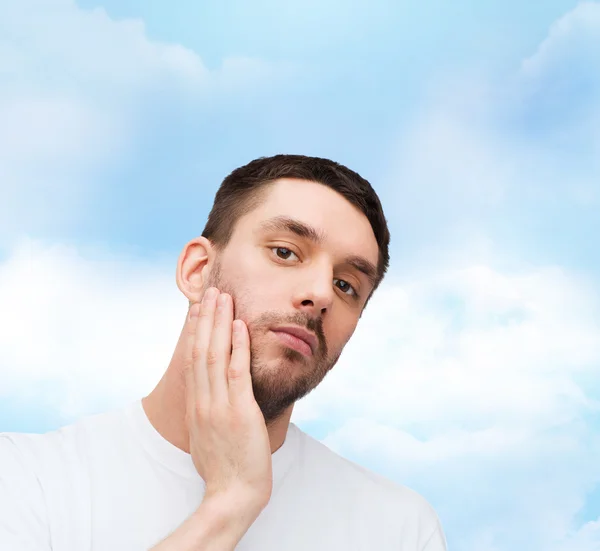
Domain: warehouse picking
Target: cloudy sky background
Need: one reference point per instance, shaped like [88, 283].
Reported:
[474, 374]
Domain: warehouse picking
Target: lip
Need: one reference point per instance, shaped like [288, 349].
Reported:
[308, 337]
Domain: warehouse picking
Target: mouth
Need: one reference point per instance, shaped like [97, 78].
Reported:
[297, 338]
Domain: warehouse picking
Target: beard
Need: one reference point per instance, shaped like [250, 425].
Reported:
[277, 387]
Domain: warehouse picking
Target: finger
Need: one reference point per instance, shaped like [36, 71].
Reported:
[220, 349]
[238, 374]
[185, 347]
[202, 338]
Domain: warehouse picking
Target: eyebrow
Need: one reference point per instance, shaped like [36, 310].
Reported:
[287, 224]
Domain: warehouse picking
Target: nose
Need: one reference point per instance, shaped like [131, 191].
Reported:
[315, 294]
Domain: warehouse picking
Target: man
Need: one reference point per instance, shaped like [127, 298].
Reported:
[293, 249]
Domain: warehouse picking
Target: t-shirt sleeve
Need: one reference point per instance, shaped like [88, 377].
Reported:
[23, 519]
[437, 541]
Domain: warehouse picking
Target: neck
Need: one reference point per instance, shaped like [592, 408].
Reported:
[165, 408]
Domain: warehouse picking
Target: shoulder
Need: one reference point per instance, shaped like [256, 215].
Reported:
[54, 450]
[320, 458]
[380, 496]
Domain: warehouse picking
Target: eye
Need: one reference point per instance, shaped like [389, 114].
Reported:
[283, 253]
[346, 288]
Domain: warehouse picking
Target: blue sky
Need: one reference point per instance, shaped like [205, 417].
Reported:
[478, 125]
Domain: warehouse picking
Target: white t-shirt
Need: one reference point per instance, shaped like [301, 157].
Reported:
[111, 482]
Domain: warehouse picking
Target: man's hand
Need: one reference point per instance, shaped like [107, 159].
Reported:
[229, 442]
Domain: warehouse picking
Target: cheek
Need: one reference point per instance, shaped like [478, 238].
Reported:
[245, 272]
[249, 302]
[339, 334]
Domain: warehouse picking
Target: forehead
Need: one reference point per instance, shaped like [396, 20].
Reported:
[345, 228]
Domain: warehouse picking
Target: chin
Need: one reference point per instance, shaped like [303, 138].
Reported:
[278, 368]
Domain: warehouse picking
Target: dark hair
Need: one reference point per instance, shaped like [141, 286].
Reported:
[243, 190]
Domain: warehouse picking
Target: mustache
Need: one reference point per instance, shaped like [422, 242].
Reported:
[303, 320]
[269, 319]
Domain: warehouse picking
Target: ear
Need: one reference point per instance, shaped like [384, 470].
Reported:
[193, 267]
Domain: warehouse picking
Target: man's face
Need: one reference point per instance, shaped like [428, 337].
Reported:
[279, 279]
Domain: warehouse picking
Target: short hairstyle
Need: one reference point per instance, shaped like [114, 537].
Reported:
[244, 189]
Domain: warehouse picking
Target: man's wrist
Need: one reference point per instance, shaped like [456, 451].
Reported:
[226, 518]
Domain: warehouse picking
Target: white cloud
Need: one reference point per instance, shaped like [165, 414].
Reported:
[88, 47]
[69, 86]
[490, 157]
[73, 87]
[587, 538]
[560, 83]
[574, 38]
[84, 331]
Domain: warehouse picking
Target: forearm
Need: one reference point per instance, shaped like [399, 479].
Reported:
[217, 525]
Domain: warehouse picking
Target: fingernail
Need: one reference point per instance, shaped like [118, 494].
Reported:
[237, 336]
[222, 301]
[195, 308]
